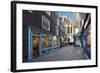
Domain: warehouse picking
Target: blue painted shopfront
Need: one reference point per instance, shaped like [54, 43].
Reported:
[42, 50]
[86, 48]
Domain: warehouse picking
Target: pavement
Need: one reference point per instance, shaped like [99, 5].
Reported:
[61, 54]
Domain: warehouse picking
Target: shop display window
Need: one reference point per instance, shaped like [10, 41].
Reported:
[35, 44]
[46, 41]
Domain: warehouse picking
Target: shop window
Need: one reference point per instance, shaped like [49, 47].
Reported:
[45, 23]
[35, 44]
[46, 41]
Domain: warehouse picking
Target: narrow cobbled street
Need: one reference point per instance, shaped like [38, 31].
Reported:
[64, 53]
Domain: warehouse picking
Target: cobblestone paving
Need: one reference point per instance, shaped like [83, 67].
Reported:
[64, 53]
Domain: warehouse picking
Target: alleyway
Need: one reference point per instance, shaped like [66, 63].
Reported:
[64, 53]
[54, 29]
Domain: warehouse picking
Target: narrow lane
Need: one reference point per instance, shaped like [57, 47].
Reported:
[64, 53]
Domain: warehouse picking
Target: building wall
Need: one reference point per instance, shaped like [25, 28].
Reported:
[33, 19]
[53, 23]
[86, 36]
[69, 28]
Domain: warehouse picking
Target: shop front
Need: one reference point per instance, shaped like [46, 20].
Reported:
[41, 33]
[40, 42]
